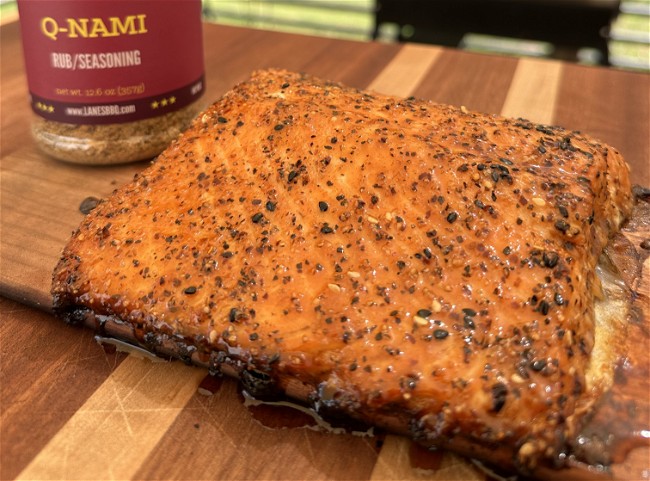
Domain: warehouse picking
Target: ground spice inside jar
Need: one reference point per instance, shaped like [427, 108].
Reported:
[112, 143]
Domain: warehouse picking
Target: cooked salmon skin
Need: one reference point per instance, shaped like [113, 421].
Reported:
[409, 264]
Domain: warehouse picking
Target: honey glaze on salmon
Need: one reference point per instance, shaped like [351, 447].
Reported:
[413, 265]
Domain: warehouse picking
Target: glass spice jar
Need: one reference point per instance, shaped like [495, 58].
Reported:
[111, 81]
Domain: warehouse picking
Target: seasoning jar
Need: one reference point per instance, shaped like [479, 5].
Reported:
[111, 81]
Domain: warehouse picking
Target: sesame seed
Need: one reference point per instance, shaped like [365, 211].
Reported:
[420, 321]
[354, 274]
[334, 287]
[516, 378]
[213, 336]
[440, 334]
[538, 365]
[539, 202]
[526, 449]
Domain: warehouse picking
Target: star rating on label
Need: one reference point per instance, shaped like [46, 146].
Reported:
[44, 107]
[164, 102]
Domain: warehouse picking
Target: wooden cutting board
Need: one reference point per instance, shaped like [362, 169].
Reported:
[90, 412]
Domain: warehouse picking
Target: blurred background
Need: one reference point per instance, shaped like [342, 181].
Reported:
[615, 33]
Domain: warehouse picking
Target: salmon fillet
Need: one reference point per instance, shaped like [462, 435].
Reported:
[412, 265]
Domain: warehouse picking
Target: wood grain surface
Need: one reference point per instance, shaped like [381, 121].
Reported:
[71, 409]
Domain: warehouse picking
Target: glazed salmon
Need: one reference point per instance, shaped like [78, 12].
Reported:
[412, 265]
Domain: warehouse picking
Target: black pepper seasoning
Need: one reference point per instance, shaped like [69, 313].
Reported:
[562, 226]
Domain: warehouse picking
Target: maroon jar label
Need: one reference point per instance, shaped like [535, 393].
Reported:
[104, 62]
